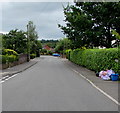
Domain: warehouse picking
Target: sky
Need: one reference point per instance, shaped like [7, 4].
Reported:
[45, 15]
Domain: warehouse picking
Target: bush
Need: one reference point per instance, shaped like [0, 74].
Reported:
[9, 52]
[3, 59]
[32, 56]
[8, 58]
[96, 59]
[49, 52]
[8, 55]
[11, 58]
[67, 52]
[43, 51]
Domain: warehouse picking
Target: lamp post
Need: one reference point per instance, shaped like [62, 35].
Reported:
[28, 44]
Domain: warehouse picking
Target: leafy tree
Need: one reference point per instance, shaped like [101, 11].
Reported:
[63, 45]
[89, 24]
[106, 16]
[16, 40]
[117, 35]
[34, 45]
[50, 43]
[0, 40]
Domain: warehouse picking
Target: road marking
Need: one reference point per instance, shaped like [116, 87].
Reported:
[5, 77]
[111, 98]
[2, 81]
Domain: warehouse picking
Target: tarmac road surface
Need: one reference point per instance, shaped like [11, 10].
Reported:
[50, 85]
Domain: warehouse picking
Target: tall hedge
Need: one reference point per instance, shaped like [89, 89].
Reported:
[96, 59]
[8, 55]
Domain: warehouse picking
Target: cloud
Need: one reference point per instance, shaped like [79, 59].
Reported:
[45, 15]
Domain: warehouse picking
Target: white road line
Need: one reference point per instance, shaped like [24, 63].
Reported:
[2, 81]
[111, 98]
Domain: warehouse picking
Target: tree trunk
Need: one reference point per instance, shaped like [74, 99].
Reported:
[109, 38]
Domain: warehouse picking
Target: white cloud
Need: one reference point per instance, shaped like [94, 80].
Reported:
[45, 16]
[37, 0]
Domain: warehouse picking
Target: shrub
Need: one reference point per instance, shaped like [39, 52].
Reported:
[32, 56]
[11, 58]
[3, 59]
[8, 58]
[8, 55]
[67, 52]
[96, 59]
[9, 52]
[43, 51]
[49, 52]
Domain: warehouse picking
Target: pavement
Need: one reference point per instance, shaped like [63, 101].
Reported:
[110, 87]
[5, 73]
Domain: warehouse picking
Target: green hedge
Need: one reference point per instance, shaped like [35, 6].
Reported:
[32, 56]
[49, 52]
[9, 52]
[67, 52]
[8, 55]
[8, 58]
[96, 59]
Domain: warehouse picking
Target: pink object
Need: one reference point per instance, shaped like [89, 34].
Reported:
[105, 75]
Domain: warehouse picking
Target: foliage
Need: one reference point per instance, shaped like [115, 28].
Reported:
[63, 45]
[3, 59]
[8, 58]
[35, 48]
[34, 45]
[89, 23]
[15, 40]
[68, 53]
[1, 40]
[32, 56]
[49, 52]
[50, 43]
[43, 51]
[11, 58]
[96, 59]
[116, 34]
[9, 52]
[8, 55]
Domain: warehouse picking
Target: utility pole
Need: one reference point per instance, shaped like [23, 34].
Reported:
[28, 44]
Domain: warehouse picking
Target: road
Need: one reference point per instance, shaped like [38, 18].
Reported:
[51, 85]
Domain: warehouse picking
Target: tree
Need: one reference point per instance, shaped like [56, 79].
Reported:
[50, 43]
[63, 45]
[117, 35]
[1, 40]
[16, 40]
[89, 24]
[77, 26]
[106, 16]
[33, 43]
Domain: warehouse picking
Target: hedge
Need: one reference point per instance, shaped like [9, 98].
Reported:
[49, 52]
[32, 56]
[8, 55]
[67, 52]
[96, 59]
[8, 58]
[9, 52]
